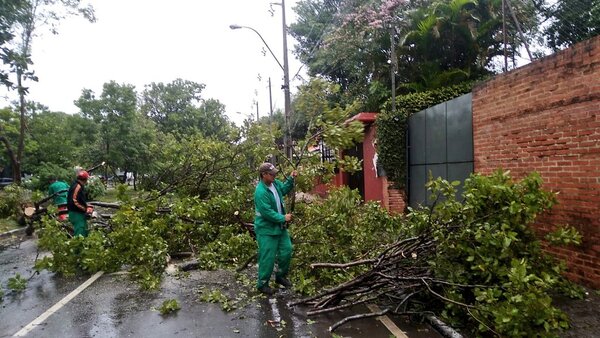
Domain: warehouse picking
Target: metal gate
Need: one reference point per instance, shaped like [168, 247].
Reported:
[440, 142]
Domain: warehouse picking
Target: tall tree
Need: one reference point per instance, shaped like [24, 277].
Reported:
[10, 13]
[436, 43]
[122, 136]
[35, 14]
[178, 108]
[572, 21]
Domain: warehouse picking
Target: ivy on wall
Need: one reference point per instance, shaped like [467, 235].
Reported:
[392, 126]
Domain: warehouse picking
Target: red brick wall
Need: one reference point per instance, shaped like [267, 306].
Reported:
[545, 117]
[397, 200]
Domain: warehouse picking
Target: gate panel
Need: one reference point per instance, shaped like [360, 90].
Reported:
[460, 129]
[440, 143]
[435, 134]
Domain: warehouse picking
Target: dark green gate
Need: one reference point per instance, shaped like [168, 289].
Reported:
[440, 142]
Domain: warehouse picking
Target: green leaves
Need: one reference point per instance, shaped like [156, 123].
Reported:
[564, 235]
[169, 306]
[338, 229]
[487, 240]
[17, 283]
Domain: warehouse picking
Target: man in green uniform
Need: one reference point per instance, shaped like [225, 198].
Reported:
[59, 188]
[274, 242]
[77, 204]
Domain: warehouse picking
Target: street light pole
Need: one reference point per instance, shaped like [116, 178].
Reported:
[286, 78]
[263, 40]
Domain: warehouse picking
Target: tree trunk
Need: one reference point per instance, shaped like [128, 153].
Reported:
[22, 121]
[10, 153]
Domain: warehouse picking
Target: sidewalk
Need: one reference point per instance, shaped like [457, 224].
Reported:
[583, 313]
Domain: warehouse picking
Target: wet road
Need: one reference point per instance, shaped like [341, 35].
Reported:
[113, 306]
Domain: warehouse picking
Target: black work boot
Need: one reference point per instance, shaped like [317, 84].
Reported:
[283, 282]
[266, 290]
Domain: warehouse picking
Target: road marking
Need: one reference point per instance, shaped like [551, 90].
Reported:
[39, 320]
[389, 324]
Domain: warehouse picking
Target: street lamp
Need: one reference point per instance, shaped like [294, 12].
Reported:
[286, 77]
[263, 40]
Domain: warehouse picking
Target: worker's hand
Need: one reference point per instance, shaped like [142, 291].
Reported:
[294, 173]
[288, 217]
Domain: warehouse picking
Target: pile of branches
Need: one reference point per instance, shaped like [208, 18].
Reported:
[474, 262]
[398, 274]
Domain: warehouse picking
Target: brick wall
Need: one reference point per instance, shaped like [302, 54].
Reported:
[546, 117]
[397, 200]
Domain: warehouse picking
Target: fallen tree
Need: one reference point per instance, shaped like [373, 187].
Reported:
[476, 264]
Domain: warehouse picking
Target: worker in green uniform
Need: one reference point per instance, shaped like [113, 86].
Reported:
[77, 204]
[270, 225]
[59, 188]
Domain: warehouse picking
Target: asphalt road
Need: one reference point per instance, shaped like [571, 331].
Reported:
[113, 306]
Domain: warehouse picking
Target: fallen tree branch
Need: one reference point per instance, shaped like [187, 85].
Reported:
[342, 266]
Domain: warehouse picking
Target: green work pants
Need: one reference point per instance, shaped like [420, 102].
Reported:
[79, 223]
[273, 248]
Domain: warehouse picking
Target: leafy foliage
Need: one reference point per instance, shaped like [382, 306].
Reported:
[571, 21]
[94, 188]
[216, 296]
[178, 108]
[169, 306]
[338, 229]
[391, 127]
[12, 197]
[486, 242]
[45, 172]
[17, 283]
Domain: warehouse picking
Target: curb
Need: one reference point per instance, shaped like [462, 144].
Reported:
[15, 232]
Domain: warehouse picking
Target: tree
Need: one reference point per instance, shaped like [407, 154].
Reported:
[337, 42]
[572, 21]
[34, 14]
[123, 137]
[10, 12]
[9, 134]
[178, 108]
[436, 43]
[56, 138]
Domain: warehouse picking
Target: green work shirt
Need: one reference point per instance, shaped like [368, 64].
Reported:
[267, 221]
[56, 187]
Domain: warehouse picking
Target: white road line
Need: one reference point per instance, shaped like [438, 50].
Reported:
[39, 320]
[389, 324]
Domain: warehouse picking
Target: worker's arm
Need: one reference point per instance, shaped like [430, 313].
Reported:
[76, 193]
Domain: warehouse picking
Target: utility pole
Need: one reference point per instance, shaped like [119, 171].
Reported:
[286, 87]
[270, 99]
[504, 36]
[257, 111]
[393, 66]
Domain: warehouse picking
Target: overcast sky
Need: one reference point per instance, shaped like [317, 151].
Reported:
[142, 41]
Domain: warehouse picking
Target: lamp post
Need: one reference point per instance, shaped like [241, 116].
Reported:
[263, 40]
[286, 77]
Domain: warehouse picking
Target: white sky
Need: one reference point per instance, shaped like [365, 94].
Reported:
[142, 41]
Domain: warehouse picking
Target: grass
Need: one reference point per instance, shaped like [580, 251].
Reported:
[111, 195]
[7, 224]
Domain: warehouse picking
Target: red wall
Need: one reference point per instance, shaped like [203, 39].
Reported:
[545, 117]
[373, 184]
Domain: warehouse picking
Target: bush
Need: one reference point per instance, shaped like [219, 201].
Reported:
[12, 197]
[45, 173]
[487, 242]
[94, 188]
[338, 229]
